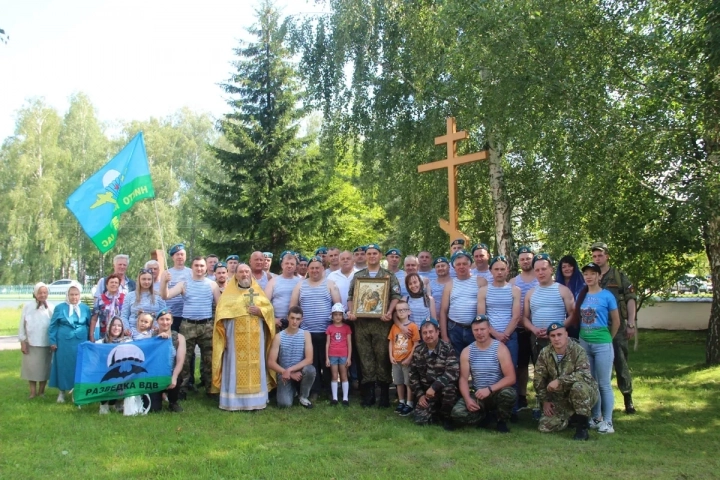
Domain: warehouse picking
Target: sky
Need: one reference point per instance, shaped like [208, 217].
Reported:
[134, 59]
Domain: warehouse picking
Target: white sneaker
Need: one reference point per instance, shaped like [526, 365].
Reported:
[61, 397]
[594, 423]
[606, 427]
[104, 409]
[305, 402]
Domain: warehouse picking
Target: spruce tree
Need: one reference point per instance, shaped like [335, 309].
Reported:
[273, 183]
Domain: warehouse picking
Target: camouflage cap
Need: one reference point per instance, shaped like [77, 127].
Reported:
[554, 326]
[599, 246]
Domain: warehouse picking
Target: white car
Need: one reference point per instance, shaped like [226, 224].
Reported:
[59, 287]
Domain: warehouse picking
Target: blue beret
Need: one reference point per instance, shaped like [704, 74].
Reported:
[478, 246]
[232, 257]
[460, 253]
[541, 256]
[267, 254]
[320, 250]
[554, 326]
[441, 260]
[372, 245]
[393, 251]
[499, 258]
[431, 321]
[481, 318]
[220, 265]
[524, 249]
[361, 248]
[176, 248]
[459, 241]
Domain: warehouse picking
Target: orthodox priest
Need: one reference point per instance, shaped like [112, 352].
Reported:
[243, 332]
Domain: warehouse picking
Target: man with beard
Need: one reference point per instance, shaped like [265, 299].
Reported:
[243, 332]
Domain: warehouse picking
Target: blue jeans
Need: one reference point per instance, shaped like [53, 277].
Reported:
[601, 357]
[459, 336]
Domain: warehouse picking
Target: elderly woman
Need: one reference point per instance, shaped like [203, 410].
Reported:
[34, 340]
[108, 305]
[68, 329]
[144, 299]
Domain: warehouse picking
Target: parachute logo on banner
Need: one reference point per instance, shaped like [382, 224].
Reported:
[114, 371]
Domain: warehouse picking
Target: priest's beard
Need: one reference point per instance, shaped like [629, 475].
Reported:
[244, 283]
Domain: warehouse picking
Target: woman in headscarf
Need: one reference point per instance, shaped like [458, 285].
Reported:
[422, 305]
[568, 274]
[107, 306]
[68, 329]
[34, 340]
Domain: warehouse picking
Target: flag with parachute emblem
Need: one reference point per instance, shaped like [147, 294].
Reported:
[101, 199]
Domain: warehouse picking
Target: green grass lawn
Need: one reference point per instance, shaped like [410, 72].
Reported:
[9, 321]
[674, 435]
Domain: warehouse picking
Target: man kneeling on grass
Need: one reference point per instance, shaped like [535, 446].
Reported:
[291, 356]
[433, 376]
[493, 376]
[564, 384]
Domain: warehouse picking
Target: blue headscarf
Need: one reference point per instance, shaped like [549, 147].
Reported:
[577, 282]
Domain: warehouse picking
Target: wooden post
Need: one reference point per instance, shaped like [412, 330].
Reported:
[451, 137]
[159, 255]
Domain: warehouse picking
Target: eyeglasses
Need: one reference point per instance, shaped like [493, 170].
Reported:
[403, 310]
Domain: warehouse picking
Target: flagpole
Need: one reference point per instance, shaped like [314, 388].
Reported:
[162, 241]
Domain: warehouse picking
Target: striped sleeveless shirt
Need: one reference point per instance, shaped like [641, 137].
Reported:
[463, 301]
[316, 303]
[498, 306]
[487, 274]
[292, 348]
[262, 281]
[547, 306]
[400, 275]
[524, 288]
[436, 290]
[198, 299]
[175, 304]
[281, 295]
[484, 365]
[418, 311]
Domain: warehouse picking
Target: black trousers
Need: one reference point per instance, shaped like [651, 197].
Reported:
[172, 394]
[322, 376]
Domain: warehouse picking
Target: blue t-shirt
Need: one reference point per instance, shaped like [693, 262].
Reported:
[595, 317]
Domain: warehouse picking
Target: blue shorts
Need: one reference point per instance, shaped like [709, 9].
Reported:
[338, 361]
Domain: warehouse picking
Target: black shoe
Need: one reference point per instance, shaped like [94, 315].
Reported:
[407, 410]
[522, 402]
[368, 394]
[581, 433]
[175, 407]
[384, 401]
[629, 407]
[576, 420]
[448, 425]
[399, 409]
[345, 403]
[502, 427]
[182, 395]
[333, 403]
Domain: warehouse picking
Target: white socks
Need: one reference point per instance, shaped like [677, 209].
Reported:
[346, 389]
[333, 388]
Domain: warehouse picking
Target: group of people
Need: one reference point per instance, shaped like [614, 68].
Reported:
[455, 335]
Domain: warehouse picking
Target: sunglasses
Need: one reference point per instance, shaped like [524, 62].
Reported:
[146, 270]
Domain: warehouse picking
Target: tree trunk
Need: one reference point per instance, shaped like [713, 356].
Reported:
[712, 248]
[503, 227]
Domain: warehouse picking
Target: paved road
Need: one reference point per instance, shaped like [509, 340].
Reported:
[9, 343]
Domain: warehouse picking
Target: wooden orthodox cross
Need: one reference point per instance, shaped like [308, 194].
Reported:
[452, 161]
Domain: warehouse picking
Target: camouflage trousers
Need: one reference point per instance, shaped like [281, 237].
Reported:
[197, 334]
[579, 399]
[371, 335]
[622, 371]
[501, 402]
[441, 404]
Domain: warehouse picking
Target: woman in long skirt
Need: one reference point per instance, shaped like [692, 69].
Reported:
[68, 329]
[35, 341]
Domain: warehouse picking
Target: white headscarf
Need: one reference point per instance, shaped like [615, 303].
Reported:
[75, 284]
[36, 289]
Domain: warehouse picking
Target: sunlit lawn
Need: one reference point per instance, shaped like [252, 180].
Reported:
[674, 435]
[9, 321]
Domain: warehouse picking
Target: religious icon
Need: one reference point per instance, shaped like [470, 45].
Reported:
[371, 296]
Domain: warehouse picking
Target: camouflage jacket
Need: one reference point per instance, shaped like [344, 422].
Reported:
[574, 367]
[382, 273]
[616, 282]
[436, 369]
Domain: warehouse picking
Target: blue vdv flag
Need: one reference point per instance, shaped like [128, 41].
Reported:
[118, 370]
[101, 199]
